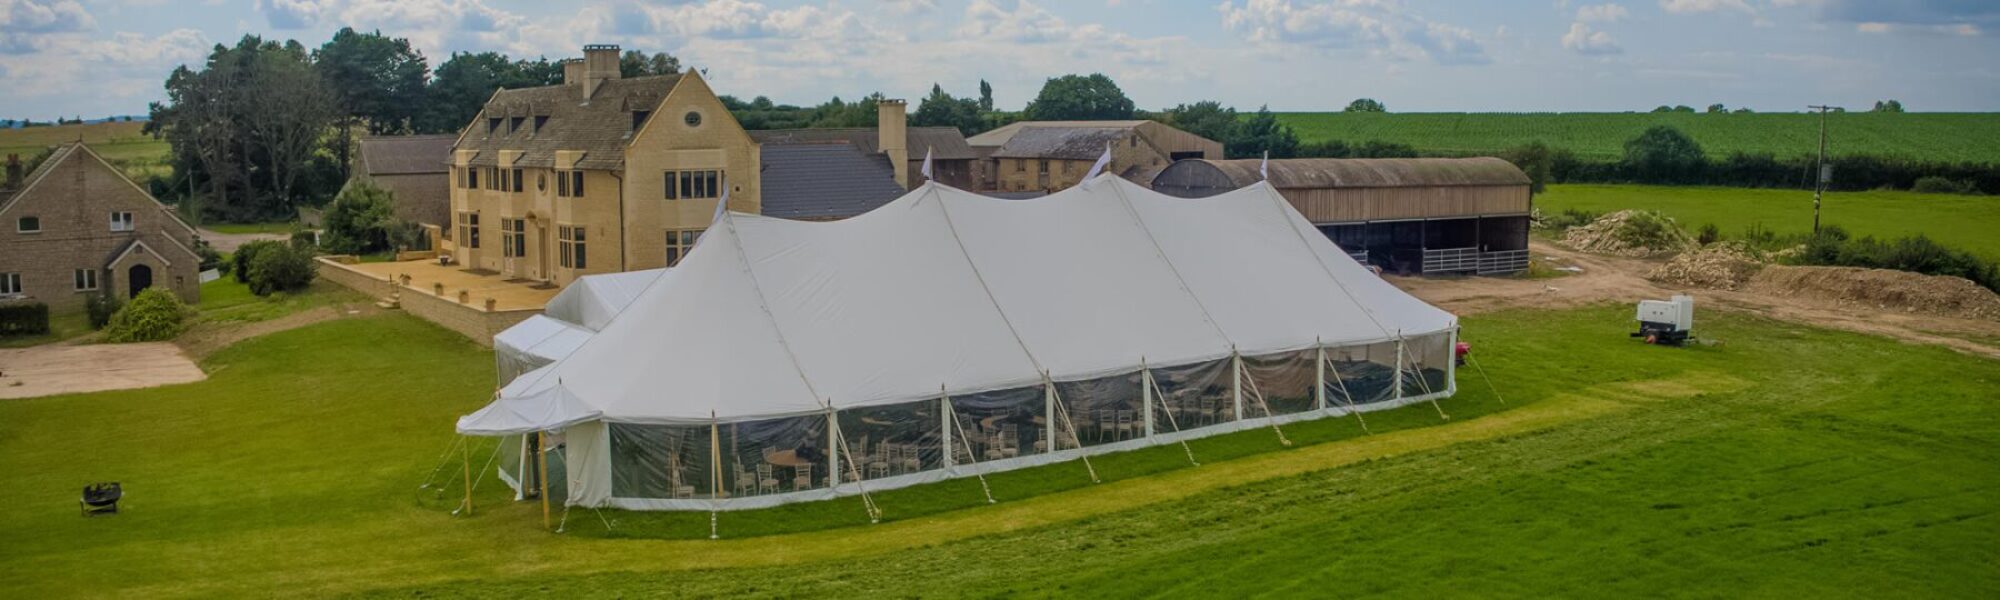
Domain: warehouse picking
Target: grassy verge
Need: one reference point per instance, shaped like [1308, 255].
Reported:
[247, 228]
[1966, 222]
[1786, 459]
[225, 300]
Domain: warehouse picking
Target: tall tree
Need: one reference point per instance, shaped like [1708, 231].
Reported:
[464, 82]
[286, 112]
[1263, 133]
[985, 96]
[637, 64]
[942, 110]
[1208, 118]
[377, 81]
[1091, 97]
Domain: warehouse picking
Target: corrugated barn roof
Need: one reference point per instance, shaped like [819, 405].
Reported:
[1293, 173]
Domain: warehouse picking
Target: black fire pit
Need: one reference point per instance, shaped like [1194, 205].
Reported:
[101, 498]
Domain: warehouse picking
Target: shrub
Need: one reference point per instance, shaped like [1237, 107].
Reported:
[100, 307]
[1570, 217]
[1709, 234]
[358, 221]
[280, 269]
[1934, 184]
[239, 263]
[24, 318]
[1918, 254]
[155, 315]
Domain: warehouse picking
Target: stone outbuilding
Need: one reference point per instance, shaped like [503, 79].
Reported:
[76, 226]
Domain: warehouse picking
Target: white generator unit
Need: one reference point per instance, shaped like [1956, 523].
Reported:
[1668, 322]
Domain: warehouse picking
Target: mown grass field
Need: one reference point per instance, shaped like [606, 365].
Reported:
[1967, 222]
[1954, 137]
[121, 143]
[1785, 460]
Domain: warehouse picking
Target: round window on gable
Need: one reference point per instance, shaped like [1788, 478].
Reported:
[693, 119]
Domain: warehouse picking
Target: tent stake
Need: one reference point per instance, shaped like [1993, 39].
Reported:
[952, 414]
[1169, 411]
[1071, 423]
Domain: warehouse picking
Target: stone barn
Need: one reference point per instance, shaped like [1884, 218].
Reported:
[1407, 215]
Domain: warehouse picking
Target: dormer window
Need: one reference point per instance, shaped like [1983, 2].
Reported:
[540, 120]
[492, 126]
[639, 118]
[515, 125]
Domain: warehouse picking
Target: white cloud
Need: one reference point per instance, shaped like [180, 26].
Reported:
[1702, 6]
[100, 77]
[295, 14]
[1581, 39]
[1601, 13]
[909, 7]
[26, 25]
[1376, 27]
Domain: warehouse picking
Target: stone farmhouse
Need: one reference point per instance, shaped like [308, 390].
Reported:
[77, 227]
[1046, 156]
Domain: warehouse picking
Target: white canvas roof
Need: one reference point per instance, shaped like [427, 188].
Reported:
[947, 290]
[592, 300]
[541, 339]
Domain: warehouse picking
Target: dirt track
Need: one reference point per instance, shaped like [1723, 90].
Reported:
[1614, 279]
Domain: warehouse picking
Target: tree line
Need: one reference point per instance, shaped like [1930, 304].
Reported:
[263, 127]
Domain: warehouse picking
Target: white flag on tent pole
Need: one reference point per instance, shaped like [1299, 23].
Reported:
[1264, 168]
[721, 206]
[927, 165]
[1102, 162]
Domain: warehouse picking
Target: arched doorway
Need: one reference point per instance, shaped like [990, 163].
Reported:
[140, 278]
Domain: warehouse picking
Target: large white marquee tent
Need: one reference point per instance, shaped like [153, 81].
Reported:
[949, 334]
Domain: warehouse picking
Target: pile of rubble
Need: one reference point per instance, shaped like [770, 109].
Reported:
[1723, 266]
[1882, 289]
[1633, 233]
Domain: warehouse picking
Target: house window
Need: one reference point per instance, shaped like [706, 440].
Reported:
[693, 119]
[514, 126]
[639, 118]
[468, 229]
[471, 178]
[570, 246]
[500, 178]
[679, 243]
[492, 126]
[569, 184]
[1020, 165]
[517, 181]
[10, 284]
[28, 225]
[121, 221]
[513, 238]
[540, 120]
[86, 280]
[687, 185]
[1045, 166]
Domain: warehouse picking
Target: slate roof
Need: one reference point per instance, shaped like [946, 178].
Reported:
[601, 127]
[1070, 143]
[832, 180]
[406, 154]
[945, 143]
[28, 180]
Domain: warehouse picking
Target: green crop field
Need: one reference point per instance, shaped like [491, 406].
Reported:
[1785, 460]
[1955, 137]
[121, 143]
[1967, 222]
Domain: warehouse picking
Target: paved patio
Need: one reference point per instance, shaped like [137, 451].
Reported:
[53, 369]
[426, 274]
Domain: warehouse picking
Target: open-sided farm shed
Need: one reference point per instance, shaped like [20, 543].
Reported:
[1427, 215]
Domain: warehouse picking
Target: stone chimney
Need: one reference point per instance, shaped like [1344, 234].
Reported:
[892, 125]
[572, 71]
[600, 64]
[14, 173]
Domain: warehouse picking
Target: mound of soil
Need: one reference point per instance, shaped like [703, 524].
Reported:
[1634, 233]
[1882, 289]
[1723, 266]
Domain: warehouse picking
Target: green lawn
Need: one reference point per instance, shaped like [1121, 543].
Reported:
[1968, 222]
[1785, 460]
[225, 300]
[1953, 137]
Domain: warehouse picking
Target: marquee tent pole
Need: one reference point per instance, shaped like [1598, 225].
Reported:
[542, 457]
[1169, 411]
[868, 503]
[1146, 396]
[1319, 376]
[951, 414]
[1064, 411]
[1262, 402]
[715, 473]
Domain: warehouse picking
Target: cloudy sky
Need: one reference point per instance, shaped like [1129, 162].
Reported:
[101, 57]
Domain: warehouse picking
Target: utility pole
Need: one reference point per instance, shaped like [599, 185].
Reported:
[1821, 173]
